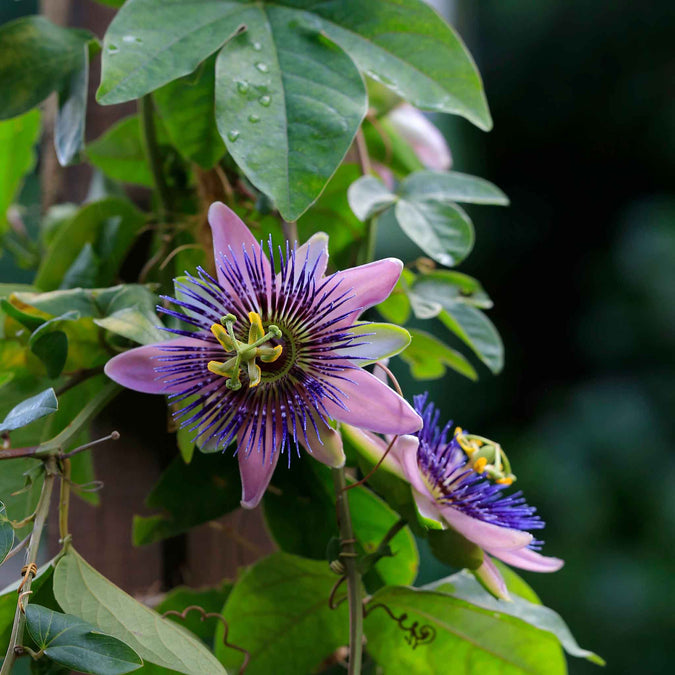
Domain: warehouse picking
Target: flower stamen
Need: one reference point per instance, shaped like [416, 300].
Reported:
[245, 353]
[486, 456]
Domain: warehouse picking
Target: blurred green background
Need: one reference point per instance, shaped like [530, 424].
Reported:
[581, 268]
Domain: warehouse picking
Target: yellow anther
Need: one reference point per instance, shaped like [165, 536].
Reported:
[507, 480]
[221, 335]
[256, 331]
[254, 374]
[480, 464]
[458, 431]
[270, 354]
[218, 368]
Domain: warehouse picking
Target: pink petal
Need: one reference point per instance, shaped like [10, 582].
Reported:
[491, 579]
[527, 559]
[229, 231]
[372, 405]
[492, 538]
[408, 459]
[255, 466]
[427, 141]
[367, 285]
[427, 508]
[326, 446]
[314, 252]
[135, 369]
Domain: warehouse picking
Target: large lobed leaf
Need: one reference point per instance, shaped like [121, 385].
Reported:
[288, 98]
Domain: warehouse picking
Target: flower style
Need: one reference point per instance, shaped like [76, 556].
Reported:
[460, 480]
[275, 353]
[426, 140]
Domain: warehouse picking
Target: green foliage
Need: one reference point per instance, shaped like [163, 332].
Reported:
[467, 638]
[80, 590]
[77, 644]
[429, 358]
[278, 611]
[36, 57]
[17, 157]
[31, 409]
[215, 478]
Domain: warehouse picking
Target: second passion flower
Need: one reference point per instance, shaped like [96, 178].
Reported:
[274, 354]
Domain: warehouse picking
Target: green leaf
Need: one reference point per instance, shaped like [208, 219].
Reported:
[406, 46]
[18, 137]
[119, 153]
[452, 186]
[291, 112]
[6, 534]
[443, 231]
[214, 477]
[376, 341]
[132, 324]
[84, 271]
[368, 196]
[211, 600]
[278, 611]
[477, 331]
[186, 108]
[72, 112]
[81, 590]
[77, 644]
[429, 358]
[109, 225]
[461, 638]
[465, 587]
[445, 287]
[307, 531]
[35, 58]
[31, 409]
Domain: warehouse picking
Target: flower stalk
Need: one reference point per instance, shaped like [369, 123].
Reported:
[41, 514]
[348, 556]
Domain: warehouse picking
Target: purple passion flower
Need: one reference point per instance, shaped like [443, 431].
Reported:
[274, 353]
[461, 480]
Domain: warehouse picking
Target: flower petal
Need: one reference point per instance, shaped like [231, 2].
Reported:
[527, 559]
[366, 285]
[314, 255]
[491, 579]
[255, 465]
[377, 341]
[427, 141]
[408, 459]
[135, 369]
[492, 538]
[325, 446]
[229, 231]
[372, 405]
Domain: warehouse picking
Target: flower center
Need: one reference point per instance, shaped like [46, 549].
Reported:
[244, 354]
[486, 456]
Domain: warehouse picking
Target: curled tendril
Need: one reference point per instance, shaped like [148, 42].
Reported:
[213, 615]
[416, 634]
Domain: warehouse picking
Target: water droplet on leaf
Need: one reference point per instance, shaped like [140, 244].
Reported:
[113, 49]
[262, 67]
[257, 46]
[233, 135]
[254, 119]
[242, 87]
[265, 101]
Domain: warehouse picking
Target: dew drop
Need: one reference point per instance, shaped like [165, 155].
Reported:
[113, 49]
[242, 87]
[254, 119]
[265, 101]
[132, 38]
[233, 135]
[257, 46]
[262, 67]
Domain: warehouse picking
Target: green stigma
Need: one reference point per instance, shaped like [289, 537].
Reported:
[244, 354]
[486, 456]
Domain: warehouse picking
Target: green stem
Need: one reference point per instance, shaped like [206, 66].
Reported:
[290, 230]
[31, 557]
[393, 531]
[348, 557]
[149, 136]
